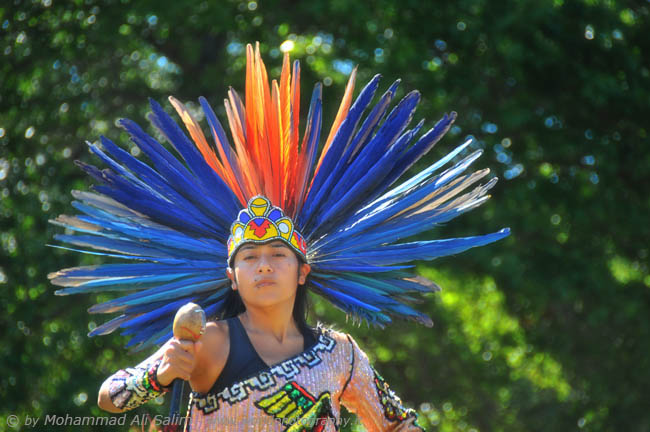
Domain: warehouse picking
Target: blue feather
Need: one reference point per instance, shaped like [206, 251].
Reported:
[204, 176]
[360, 139]
[311, 137]
[345, 299]
[423, 250]
[345, 198]
[177, 175]
[339, 143]
[135, 270]
[419, 149]
[178, 289]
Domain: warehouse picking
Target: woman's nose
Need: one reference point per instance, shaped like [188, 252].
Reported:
[264, 264]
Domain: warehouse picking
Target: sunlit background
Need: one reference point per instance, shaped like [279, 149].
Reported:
[548, 330]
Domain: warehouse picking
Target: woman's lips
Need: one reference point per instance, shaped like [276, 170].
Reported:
[264, 283]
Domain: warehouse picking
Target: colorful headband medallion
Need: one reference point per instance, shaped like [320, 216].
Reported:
[260, 223]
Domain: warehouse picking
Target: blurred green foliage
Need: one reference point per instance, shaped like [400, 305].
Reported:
[547, 330]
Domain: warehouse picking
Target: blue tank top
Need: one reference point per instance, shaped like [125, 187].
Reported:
[243, 361]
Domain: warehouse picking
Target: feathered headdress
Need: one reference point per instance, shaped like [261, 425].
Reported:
[170, 218]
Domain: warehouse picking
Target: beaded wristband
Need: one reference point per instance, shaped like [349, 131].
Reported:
[129, 388]
[152, 375]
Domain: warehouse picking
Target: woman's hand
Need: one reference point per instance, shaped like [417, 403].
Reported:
[178, 361]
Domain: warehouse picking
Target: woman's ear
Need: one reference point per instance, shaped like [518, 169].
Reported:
[304, 271]
[233, 280]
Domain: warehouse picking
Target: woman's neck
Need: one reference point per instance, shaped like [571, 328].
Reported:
[277, 323]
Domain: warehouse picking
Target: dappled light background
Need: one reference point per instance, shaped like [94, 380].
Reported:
[546, 330]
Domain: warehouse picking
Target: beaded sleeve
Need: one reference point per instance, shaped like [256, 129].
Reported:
[367, 394]
[131, 387]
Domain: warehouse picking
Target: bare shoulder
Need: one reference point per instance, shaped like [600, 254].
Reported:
[211, 357]
[216, 339]
[217, 329]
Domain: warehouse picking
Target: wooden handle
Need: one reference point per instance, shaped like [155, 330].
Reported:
[189, 324]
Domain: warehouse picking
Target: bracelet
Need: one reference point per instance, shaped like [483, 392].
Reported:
[129, 388]
[152, 375]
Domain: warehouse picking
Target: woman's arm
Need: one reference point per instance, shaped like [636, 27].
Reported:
[368, 395]
[131, 387]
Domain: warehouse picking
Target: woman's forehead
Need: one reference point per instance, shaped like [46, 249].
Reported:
[272, 244]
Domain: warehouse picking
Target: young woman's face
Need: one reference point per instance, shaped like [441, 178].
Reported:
[268, 274]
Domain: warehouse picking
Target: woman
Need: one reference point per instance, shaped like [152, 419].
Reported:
[260, 366]
[264, 368]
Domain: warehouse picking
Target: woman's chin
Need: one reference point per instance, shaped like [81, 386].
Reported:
[268, 299]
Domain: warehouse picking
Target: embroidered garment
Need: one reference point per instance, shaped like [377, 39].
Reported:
[305, 393]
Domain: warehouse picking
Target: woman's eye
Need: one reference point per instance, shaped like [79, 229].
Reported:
[279, 255]
[249, 257]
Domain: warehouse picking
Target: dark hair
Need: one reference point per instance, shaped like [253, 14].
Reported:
[233, 304]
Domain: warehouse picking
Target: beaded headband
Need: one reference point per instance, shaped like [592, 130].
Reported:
[261, 222]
